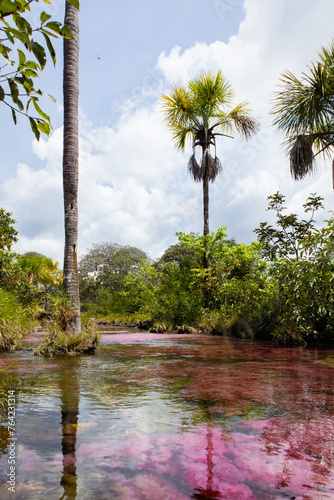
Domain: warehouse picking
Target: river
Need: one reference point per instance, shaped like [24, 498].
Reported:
[169, 417]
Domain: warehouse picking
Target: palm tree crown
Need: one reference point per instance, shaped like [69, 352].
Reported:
[304, 110]
[200, 112]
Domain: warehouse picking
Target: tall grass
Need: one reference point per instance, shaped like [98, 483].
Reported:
[60, 340]
[15, 320]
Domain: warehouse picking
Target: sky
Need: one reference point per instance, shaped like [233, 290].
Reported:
[134, 188]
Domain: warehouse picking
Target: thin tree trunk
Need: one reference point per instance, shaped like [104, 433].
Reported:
[206, 205]
[71, 161]
[206, 261]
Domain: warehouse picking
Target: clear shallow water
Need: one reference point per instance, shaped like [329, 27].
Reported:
[172, 417]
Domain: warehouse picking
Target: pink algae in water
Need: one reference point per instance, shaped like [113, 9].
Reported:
[217, 464]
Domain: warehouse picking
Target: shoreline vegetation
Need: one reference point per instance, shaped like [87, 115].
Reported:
[277, 289]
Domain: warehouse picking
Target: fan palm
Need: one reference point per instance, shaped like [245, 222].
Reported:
[304, 110]
[201, 112]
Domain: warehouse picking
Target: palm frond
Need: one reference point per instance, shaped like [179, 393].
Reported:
[194, 111]
[301, 158]
[306, 105]
[177, 106]
[240, 119]
[210, 93]
[210, 166]
[180, 135]
[194, 169]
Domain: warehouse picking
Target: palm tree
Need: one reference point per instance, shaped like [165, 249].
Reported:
[201, 112]
[304, 110]
[71, 161]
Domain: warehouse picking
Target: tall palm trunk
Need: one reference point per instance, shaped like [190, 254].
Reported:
[71, 161]
[206, 261]
[206, 213]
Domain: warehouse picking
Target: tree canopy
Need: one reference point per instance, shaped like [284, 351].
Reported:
[200, 112]
[18, 71]
[303, 110]
[8, 233]
[109, 263]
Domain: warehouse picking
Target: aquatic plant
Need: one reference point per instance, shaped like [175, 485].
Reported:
[58, 342]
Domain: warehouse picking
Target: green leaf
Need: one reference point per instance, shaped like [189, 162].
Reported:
[23, 37]
[45, 17]
[31, 65]
[49, 96]
[14, 116]
[44, 127]
[50, 48]
[13, 89]
[49, 33]
[54, 26]
[39, 111]
[22, 57]
[34, 128]
[22, 24]
[66, 32]
[2, 94]
[28, 85]
[20, 104]
[8, 7]
[4, 51]
[29, 72]
[39, 53]
[75, 3]
[9, 36]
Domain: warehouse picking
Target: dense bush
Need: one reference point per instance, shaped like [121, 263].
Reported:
[280, 287]
[15, 320]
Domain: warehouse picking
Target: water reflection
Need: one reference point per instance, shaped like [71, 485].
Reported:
[69, 384]
[175, 417]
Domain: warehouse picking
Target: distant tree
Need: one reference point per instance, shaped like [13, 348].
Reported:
[71, 160]
[17, 70]
[201, 112]
[40, 271]
[8, 234]
[180, 255]
[286, 239]
[108, 264]
[304, 110]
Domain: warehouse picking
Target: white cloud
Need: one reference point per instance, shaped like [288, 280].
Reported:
[134, 188]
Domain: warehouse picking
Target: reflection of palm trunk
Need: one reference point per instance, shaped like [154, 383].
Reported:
[209, 456]
[69, 422]
[208, 492]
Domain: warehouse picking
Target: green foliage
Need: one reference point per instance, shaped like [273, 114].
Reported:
[301, 268]
[236, 281]
[102, 274]
[286, 238]
[15, 320]
[18, 71]
[195, 112]
[280, 287]
[306, 293]
[60, 343]
[8, 234]
[303, 110]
